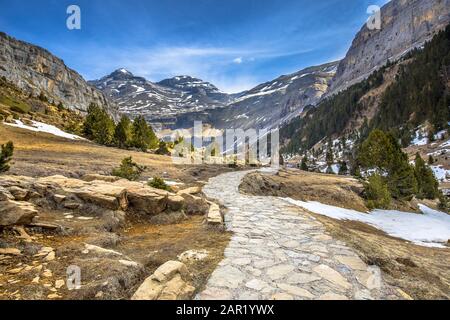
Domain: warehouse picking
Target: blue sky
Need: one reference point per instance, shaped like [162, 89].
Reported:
[235, 44]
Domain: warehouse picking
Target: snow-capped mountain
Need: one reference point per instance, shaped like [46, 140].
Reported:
[268, 104]
[178, 102]
[204, 92]
[159, 101]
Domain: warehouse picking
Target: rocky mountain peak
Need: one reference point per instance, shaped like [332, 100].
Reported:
[188, 84]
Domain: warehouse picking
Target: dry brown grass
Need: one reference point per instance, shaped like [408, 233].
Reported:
[39, 154]
[154, 245]
[421, 272]
[306, 186]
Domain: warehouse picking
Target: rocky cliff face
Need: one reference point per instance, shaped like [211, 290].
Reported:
[406, 24]
[35, 70]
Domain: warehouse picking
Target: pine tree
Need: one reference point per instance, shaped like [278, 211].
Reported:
[122, 133]
[427, 185]
[128, 169]
[6, 153]
[402, 181]
[376, 151]
[304, 164]
[163, 149]
[377, 192]
[98, 125]
[383, 152]
[143, 136]
[329, 156]
[430, 160]
[343, 169]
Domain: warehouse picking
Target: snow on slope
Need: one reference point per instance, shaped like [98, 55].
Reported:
[430, 229]
[46, 128]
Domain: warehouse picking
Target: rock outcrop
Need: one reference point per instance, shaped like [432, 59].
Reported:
[35, 71]
[19, 197]
[406, 24]
[171, 281]
[14, 213]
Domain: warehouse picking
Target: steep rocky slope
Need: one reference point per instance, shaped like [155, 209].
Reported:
[406, 24]
[159, 102]
[270, 103]
[35, 71]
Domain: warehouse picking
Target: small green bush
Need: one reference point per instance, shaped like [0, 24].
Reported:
[6, 153]
[128, 170]
[159, 183]
[377, 192]
[163, 149]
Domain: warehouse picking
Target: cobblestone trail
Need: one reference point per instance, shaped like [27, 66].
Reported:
[279, 251]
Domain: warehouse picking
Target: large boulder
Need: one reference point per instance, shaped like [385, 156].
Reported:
[145, 199]
[195, 205]
[171, 281]
[100, 193]
[104, 195]
[14, 213]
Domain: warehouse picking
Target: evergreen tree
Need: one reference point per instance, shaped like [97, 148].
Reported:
[343, 169]
[430, 160]
[128, 170]
[376, 151]
[6, 153]
[377, 192]
[143, 136]
[304, 164]
[329, 156]
[382, 152]
[163, 149]
[427, 185]
[98, 125]
[122, 133]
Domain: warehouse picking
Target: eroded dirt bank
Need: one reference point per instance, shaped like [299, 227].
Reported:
[421, 272]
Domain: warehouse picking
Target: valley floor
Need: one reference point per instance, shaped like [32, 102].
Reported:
[277, 250]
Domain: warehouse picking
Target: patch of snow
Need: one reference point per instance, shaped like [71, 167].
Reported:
[440, 173]
[171, 183]
[430, 229]
[440, 135]
[138, 89]
[334, 167]
[46, 128]
[420, 138]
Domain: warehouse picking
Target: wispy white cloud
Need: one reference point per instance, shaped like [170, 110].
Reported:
[208, 63]
[238, 60]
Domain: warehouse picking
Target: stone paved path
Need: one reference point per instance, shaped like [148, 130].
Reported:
[281, 252]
